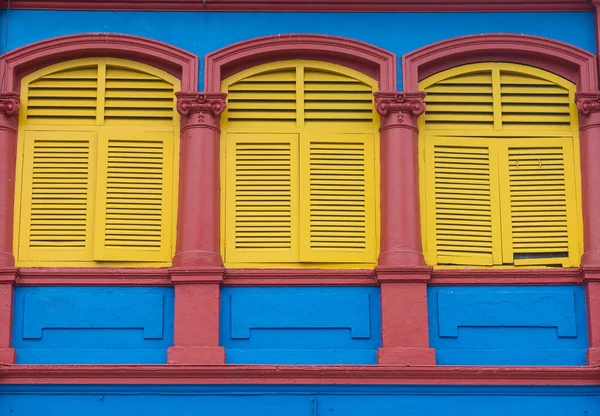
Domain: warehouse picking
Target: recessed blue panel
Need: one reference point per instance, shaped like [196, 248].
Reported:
[506, 325]
[92, 325]
[290, 400]
[300, 325]
[204, 32]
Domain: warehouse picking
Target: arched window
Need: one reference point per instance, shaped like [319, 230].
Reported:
[97, 165]
[299, 156]
[499, 156]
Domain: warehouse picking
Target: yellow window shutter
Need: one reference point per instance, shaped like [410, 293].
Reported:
[57, 196]
[136, 97]
[337, 206]
[134, 196]
[268, 97]
[461, 101]
[539, 202]
[262, 198]
[66, 96]
[463, 205]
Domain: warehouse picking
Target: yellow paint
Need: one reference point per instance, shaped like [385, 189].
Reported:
[499, 157]
[97, 165]
[299, 168]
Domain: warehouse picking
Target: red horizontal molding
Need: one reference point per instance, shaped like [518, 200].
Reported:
[255, 374]
[308, 5]
[291, 277]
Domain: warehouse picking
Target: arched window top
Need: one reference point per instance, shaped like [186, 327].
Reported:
[99, 91]
[499, 97]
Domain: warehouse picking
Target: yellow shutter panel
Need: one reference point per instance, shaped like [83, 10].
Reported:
[331, 97]
[68, 96]
[57, 196]
[262, 198]
[136, 97]
[530, 101]
[539, 201]
[463, 204]
[134, 196]
[337, 204]
[462, 101]
[268, 97]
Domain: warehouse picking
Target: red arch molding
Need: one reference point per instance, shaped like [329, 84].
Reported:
[568, 61]
[368, 59]
[29, 58]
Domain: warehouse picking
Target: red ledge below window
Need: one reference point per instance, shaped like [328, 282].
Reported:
[246, 374]
[292, 277]
[309, 5]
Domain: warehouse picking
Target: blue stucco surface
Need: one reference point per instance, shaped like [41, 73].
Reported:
[504, 325]
[92, 325]
[300, 325]
[204, 32]
[276, 400]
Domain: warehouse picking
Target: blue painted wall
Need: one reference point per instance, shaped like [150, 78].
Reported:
[301, 325]
[92, 325]
[298, 401]
[204, 32]
[504, 325]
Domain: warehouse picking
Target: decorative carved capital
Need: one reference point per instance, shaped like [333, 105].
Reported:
[9, 104]
[404, 102]
[588, 102]
[212, 103]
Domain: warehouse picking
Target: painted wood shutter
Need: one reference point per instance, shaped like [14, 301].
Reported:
[262, 198]
[522, 122]
[103, 131]
[58, 192]
[320, 124]
[337, 184]
[539, 201]
[133, 194]
[462, 176]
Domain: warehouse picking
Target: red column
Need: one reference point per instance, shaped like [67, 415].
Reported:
[9, 108]
[197, 270]
[401, 272]
[588, 104]
[196, 339]
[198, 226]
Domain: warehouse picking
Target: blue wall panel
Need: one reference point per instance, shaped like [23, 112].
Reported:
[204, 32]
[504, 325]
[85, 325]
[298, 401]
[300, 325]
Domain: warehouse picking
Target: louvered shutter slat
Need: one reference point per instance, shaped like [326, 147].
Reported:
[336, 198]
[538, 183]
[57, 186]
[465, 212]
[261, 200]
[134, 195]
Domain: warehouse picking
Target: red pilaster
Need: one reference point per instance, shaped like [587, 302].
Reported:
[401, 272]
[196, 338]
[7, 281]
[588, 104]
[591, 278]
[9, 109]
[404, 331]
[400, 227]
[198, 220]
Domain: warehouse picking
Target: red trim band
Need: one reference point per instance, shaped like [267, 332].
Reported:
[263, 374]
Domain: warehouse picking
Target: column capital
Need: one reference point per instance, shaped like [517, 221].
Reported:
[200, 109]
[588, 102]
[9, 104]
[399, 108]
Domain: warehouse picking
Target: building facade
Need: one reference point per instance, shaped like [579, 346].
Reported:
[311, 208]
